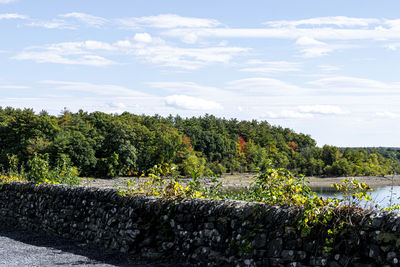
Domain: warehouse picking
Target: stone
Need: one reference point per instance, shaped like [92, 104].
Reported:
[374, 251]
[318, 261]
[209, 226]
[334, 264]
[390, 256]
[167, 245]
[385, 237]
[288, 255]
[207, 232]
[275, 247]
[260, 241]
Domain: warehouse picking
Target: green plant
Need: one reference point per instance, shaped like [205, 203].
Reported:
[5, 179]
[353, 192]
[64, 172]
[280, 186]
[39, 170]
[157, 185]
[330, 216]
[13, 165]
[214, 189]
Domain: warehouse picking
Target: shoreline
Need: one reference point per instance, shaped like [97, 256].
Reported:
[372, 181]
[244, 180]
[237, 180]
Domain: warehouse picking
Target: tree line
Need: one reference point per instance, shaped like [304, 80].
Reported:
[107, 145]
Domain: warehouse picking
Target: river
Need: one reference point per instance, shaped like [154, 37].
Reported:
[383, 196]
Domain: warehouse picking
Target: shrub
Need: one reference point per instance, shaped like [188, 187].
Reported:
[63, 172]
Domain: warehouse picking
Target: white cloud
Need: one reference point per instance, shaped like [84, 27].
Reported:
[304, 112]
[86, 18]
[270, 67]
[67, 23]
[7, 1]
[156, 52]
[167, 21]
[192, 89]
[12, 16]
[322, 109]
[315, 51]
[13, 86]
[191, 103]
[388, 114]
[117, 105]
[71, 53]
[346, 84]
[312, 40]
[394, 23]
[263, 86]
[100, 89]
[313, 48]
[143, 37]
[289, 33]
[340, 21]
[346, 81]
[305, 40]
[328, 68]
[123, 44]
[159, 53]
[287, 114]
[52, 24]
[190, 38]
[187, 88]
[96, 45]
[54, 57]
[392, 46]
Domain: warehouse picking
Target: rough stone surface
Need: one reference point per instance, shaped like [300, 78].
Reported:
[198, 231]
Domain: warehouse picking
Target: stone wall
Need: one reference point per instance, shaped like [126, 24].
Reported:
[212, 232]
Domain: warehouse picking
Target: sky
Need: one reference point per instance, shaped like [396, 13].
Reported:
[330, 69]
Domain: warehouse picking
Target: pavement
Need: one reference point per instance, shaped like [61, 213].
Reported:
[25, 248]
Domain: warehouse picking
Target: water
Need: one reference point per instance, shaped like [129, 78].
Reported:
[383, 196]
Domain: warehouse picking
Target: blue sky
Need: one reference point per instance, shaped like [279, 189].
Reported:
[325, 68]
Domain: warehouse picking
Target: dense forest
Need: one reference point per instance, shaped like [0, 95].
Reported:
[107, 145]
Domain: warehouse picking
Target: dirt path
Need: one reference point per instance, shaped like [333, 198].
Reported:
[240, 180]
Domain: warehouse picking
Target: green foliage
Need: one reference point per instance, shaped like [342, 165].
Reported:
[91, 141]
[193, 166]
[275, 186]
[39, 170]
[5, 179]
[156, 185]
[109, 166]
[13, 165]
[353, 192]
[280, 186]
[64, 172]
[217, 168]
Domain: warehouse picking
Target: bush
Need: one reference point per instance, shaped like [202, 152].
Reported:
[193, 165]
[39, 170]
[217, 168]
